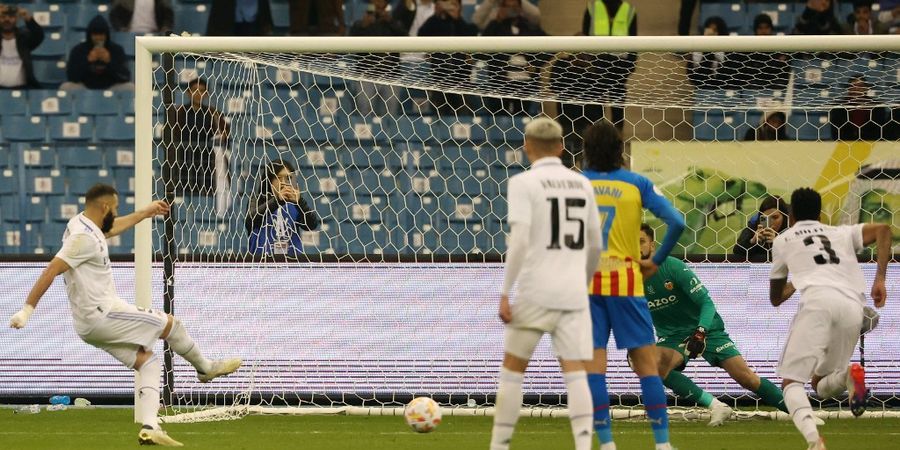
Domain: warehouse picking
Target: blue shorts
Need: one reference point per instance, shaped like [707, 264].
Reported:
[627, 317]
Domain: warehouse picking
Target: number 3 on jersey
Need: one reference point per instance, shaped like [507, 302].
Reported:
[573, 241]
[607, 215]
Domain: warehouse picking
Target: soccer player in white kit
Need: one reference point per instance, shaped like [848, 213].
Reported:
[555, 242]
[824, 332]
[105, 321]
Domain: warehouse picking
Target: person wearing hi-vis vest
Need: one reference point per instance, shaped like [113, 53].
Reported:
[613, 18]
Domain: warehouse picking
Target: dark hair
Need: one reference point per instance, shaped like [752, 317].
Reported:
[271, 172]
[197, 81]
[99, 190]
[603, 147]
[776, 202]
[807, 204]
[721, 26]
[762, 19]
[649, 230]
[862, 4]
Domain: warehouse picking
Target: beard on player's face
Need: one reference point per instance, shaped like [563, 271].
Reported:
[107, 224]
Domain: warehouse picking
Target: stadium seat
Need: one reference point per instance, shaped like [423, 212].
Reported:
[367, 238]
[369, 157]
[122, 244]
[324, 181]
[124, 179]
[416, 129]
[810, 125]
[461, 131]
[126, 101]
[198, 209]
[36, 156]
[81, 179]
[318, 156]
[49, 102]
[84, 14]
[54, 47]
[71, 128]
[61, 208]
[362, 207]
[114, 128]
[366, 131]
[418, 157]
[469, 158]
[422, 183]
[119, 157]
[371, 181]
[9, 181]
[97, 103]
[49, 16]
[732, 12]
[50, 73]
[192, 18]
[43, 181]
[463, 208]
[11, 237]
[330, 208]
[21, 128]
[717, 125]
[13, 101]
[466, 238]
[126, 40]
[507, 129]
[34, 209]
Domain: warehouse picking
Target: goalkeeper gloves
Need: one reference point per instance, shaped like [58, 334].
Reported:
[19, 319]
[695, 344]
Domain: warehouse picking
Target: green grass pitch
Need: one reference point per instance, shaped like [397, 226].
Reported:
[112, 429]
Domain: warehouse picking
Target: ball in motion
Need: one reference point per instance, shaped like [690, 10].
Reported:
[422, 414]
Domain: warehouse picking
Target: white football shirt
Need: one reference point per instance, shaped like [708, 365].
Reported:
[89, 282]
[819, 255]
[558, 204]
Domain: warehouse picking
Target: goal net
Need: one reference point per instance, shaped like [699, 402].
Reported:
[339, 211]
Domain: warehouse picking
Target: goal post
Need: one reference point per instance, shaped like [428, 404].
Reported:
[409, 197]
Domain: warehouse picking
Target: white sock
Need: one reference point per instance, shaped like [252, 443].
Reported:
[608, 446]
[180, 342]
[138, 417]
[833, 384]
[801, 411]
[148, 393]
[581, 409]
[509, 402]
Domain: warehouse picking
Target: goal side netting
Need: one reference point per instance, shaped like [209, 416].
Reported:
[339, 204]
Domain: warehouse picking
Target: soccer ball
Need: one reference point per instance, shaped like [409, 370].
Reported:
[422, 414]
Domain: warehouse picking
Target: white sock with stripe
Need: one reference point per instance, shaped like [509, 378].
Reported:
[148, 392]
[797, 403]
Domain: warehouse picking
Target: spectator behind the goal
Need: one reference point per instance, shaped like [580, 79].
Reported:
[860, 119]
[135, 16]
[890, 15]
[277, 213]
[239, 18]
[451, 69]
[862, 22]
[98, 62]
[317, 17]
[772, 129]
[383, 99]
[489, 11]
[759, 70]
[413, 13]
[704, 70]
[198, 131]
[16, 69]
[755, 242]
[818, 18]
[517, 72]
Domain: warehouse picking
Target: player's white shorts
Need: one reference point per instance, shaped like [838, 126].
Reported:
[823, 335]
[570, 331]
[125, 329]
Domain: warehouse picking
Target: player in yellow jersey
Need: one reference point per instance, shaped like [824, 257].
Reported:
[617, 289]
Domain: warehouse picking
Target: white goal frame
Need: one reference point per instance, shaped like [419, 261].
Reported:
[146, 47]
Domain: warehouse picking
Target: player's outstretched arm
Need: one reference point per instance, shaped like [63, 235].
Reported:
[54, 269]
[880, 234]
[122, 224]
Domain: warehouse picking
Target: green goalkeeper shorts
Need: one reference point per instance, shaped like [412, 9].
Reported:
[719, 346]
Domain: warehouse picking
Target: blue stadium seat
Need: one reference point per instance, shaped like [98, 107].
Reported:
[126, 40]
[369, 157]
[363, 131]
[324, 181]
[362, 207]
[84, 14]
[423, 237]
[717, 125]
[126, 100]
[21, 128]
[11, 237]
[34, 209]
[61, 208]
[114, 128]
[9, 181]
[124, 179]
[317, 156]
[43, 181]
[192, 18]
[371, 181]
[54, 47]
[367, 238]
[50, 73]
[198, 209]
[49, 16]
[509, 129]
[466, 238]
[81, 179]
[422, 183]
[119, 156]
[93, 102]
[464, 208]
[417, 129]
[122, 244]
[330, 208]
[71, 128]
[418, 157]
[202, 238]
[732, 12]
[49, 102]
[14, 102]
[810, 125]
[463, 157]
[478, 182]
[461, 131]
[816, 97]
[81, 156]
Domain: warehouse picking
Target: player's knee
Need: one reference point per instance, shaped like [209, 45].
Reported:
[141, 357]
[514, 363]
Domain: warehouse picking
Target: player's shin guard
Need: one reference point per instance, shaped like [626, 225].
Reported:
[683, 387]
[600, 396]
[180, 342]
[655, 404]
[509, 402]
[801, 411]
[148, 391]
[832, 384]
[579, 408]
[770, 394]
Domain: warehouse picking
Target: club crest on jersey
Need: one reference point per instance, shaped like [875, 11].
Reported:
[669, 285]
[650, 290]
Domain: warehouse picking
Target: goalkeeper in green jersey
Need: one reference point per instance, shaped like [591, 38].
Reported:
[688, 326]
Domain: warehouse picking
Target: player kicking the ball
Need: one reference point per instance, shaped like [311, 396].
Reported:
[688, 325]
[105, 321]
[554, 245]
[824, 331]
